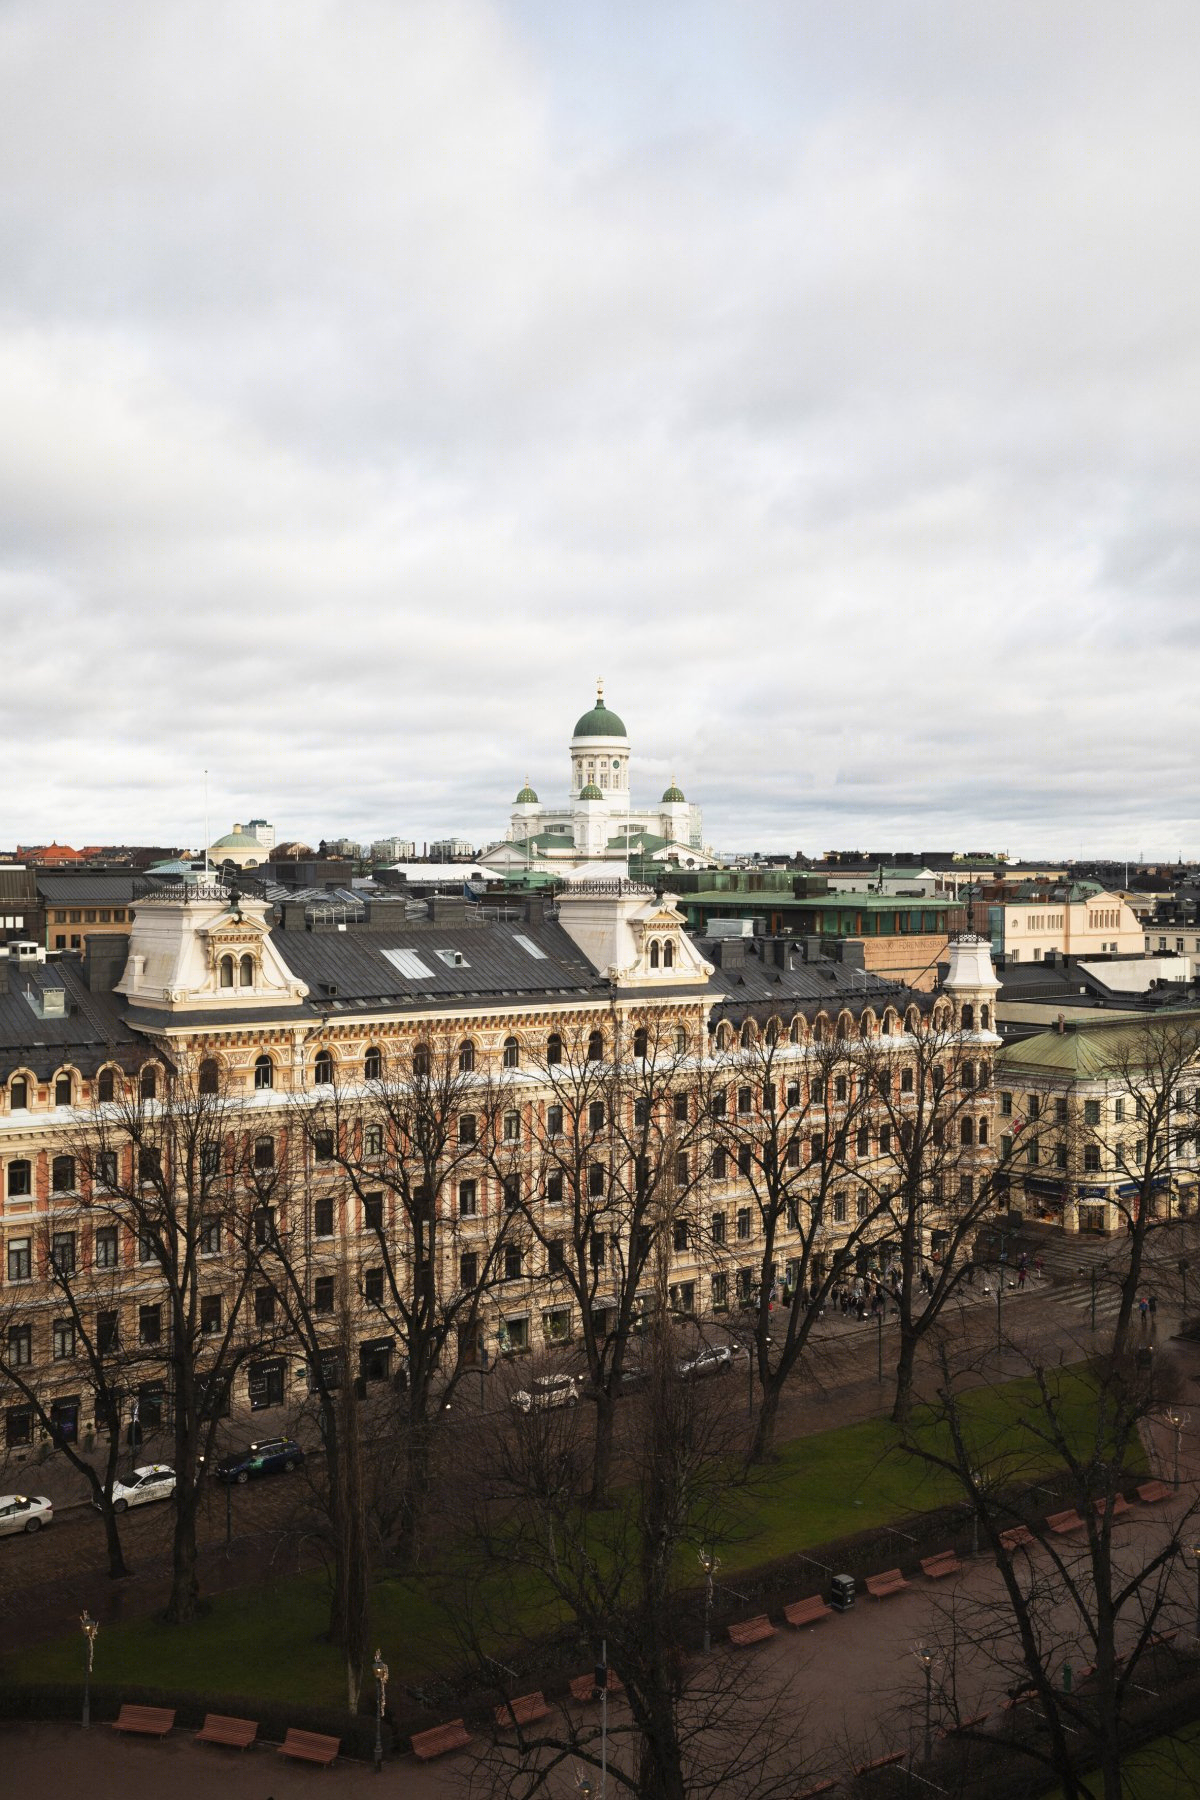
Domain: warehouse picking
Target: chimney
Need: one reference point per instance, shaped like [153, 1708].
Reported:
[728, 953]
[447, 909]
[1060, 1024]
[104, 954]
[534, 912]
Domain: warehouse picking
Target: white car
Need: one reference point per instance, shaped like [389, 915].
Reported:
[23, 1512]
[155, 1482]
[548, 1391]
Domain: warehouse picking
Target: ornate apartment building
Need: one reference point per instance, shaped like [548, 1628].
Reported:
[303, 1142]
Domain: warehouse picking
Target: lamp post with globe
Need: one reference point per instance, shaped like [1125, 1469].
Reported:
[380, 1671]
[89, 1628]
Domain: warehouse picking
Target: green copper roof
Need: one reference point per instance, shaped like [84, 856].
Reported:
[600, 722]
[1122, 1042]
[673, 795]
[526, 797]
[236, 840]
[590, 792]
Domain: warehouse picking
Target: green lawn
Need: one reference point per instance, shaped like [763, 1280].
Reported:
[267, 1642]
[1167, 1769]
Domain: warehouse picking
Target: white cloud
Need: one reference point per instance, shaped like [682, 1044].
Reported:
[373, 377]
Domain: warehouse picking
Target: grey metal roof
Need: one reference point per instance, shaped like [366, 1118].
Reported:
[94, 1029]
[762, 986]
[356, 964]
[96, 888]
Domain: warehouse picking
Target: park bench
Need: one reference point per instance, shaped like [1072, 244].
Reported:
[807, 1612]
[1161, 1637]
[1120, 1505]
[584, 1689]
[526, 1710]
[1021, 1698]
[440, 1739]
[148, 1721]
[1151, 1492]
[888, 1581]
[1063, 1523]
[944, 1563]
[822, 1787]
[310, 1746]
[962, 1725]
[219, 1728]
[1017, 1537]
[751, 1631]
[880, 1762]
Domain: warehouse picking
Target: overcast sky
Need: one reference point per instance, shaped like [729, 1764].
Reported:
[375, 374]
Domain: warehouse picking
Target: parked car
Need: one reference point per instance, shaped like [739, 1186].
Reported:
[154, 1482]
[710, 1359]
[271, 1456]
[631, 1380]
[24, 1512]
[547, 1391]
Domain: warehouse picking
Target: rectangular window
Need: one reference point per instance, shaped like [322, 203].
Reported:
[1031, 1152]
[468, 1269]
[744, 1100]
[768, 1096]
[322, 1146]
[20, 1178]
[554, 1121]
[62, 1339]
[720, 1292]
[19, 1261]
[468, 1200]
[840, 1087]
[104, 1247]
[512, 1192]
[20, 1345]
[862, 1142]
[818, 1145]
[1034, 1106]
[106, 1169]
[1091, 1112]
[719, 1162]
[862, 1208]
[839, 1209]
[149, 1164]
[264, 1305]
[512, 1127]
[373, 1140]
[680, 1236]
[596, 1180]
[717, 1106]
[264, 1153]
[1060, 1109]
[681, 1109]
[264, 1226]
[323, 1216]
[745, 1159]
[681, 1167]
[1060, 1156]
[146, 1247]
[62, 1252]
[793, 1093]
[554, 1188]
[1091, 1158]
[373, 1212]
[108, 1334]
[816, 1090]
[599, 1245]
[323, 1294]
[743, 1222]
[596, 1116]
[466, 1128]
[745, 1286]
[210, 1314]
[718, 1228]
[149, 1324]
[373, 1287]
[555, 1263]
[1006, 1145]
[885, 1140]
[512, 1262]
[906, 1081]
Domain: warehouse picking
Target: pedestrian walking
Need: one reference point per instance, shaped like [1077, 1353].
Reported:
[1152, 1303]
[1021, 1276]
[1143, 1309]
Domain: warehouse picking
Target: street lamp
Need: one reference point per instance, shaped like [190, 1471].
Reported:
[89, 1628]
[1196, 1554]
[975, 1477]
[1176, 1421]
[710, 1562]
[926, 1658]
[380, 1670]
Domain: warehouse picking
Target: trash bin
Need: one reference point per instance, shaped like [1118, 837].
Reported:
[842, 1596]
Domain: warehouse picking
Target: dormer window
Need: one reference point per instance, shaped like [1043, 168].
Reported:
[373, 1064]
[19, 1095]
[323, 1069]
[225, 977]
[668, 955]
[264, 1072]
[149, 1084]
[62, 1090]
[654, 954]
[247, 972]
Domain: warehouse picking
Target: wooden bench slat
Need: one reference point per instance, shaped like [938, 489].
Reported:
[1063, 1523]
[944, 1563]
[310, 1746]
[880, 1762]
[1152, 1491]
[888, 1581]
[149, 1721]
[221, 1728]
[440, 1739]
[751, 1631]
[1017, 1537]
[526, 1710]
[807, 1612]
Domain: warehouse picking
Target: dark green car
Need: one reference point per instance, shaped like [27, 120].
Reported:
[273, 1456]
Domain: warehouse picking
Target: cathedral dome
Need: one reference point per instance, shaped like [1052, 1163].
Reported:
[590, 792]
[600, 722]
[673, 796]
[526, 797]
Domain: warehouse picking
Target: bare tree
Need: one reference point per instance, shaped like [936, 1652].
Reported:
[409, 1147]
[162, 1162]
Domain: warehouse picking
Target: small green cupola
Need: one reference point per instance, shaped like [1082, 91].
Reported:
[590, 792]
[526, 797]
[673, 796]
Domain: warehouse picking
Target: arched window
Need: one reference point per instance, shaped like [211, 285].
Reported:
[968, 1016]
[421, 1059]
[966, 1131]
[796, 1030]
[748, 1035]
[641, 1043]
[62, 1090]
[247, 972]
[373, 1140]
[323, 1068]
[264, 1072]
[668, 955]
[985, 1018]
[106, 1087]
[654, 953]
[983, 1131]
[149, 1082]
[724, 1035]
[595, 1046]
[512, 1053]
[681, 1040]
[62, 1174]
[466, 1057]
[373, 1063]
[209, 1076]
[226, 972]
[553, 1048]
[772, 1032]
[866, 1024]
[20, 1178]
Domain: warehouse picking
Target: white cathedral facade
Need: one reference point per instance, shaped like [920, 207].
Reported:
[600, 824]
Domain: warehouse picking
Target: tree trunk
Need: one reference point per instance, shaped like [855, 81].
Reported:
[602, 1450]
[117, 1566]
[185, 1584]
[903, 1403]
[763, 1443]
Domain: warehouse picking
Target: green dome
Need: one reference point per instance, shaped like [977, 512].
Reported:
[526, 797]
[590, 792]
[673, 795]
[236, 840]
[600, 722]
